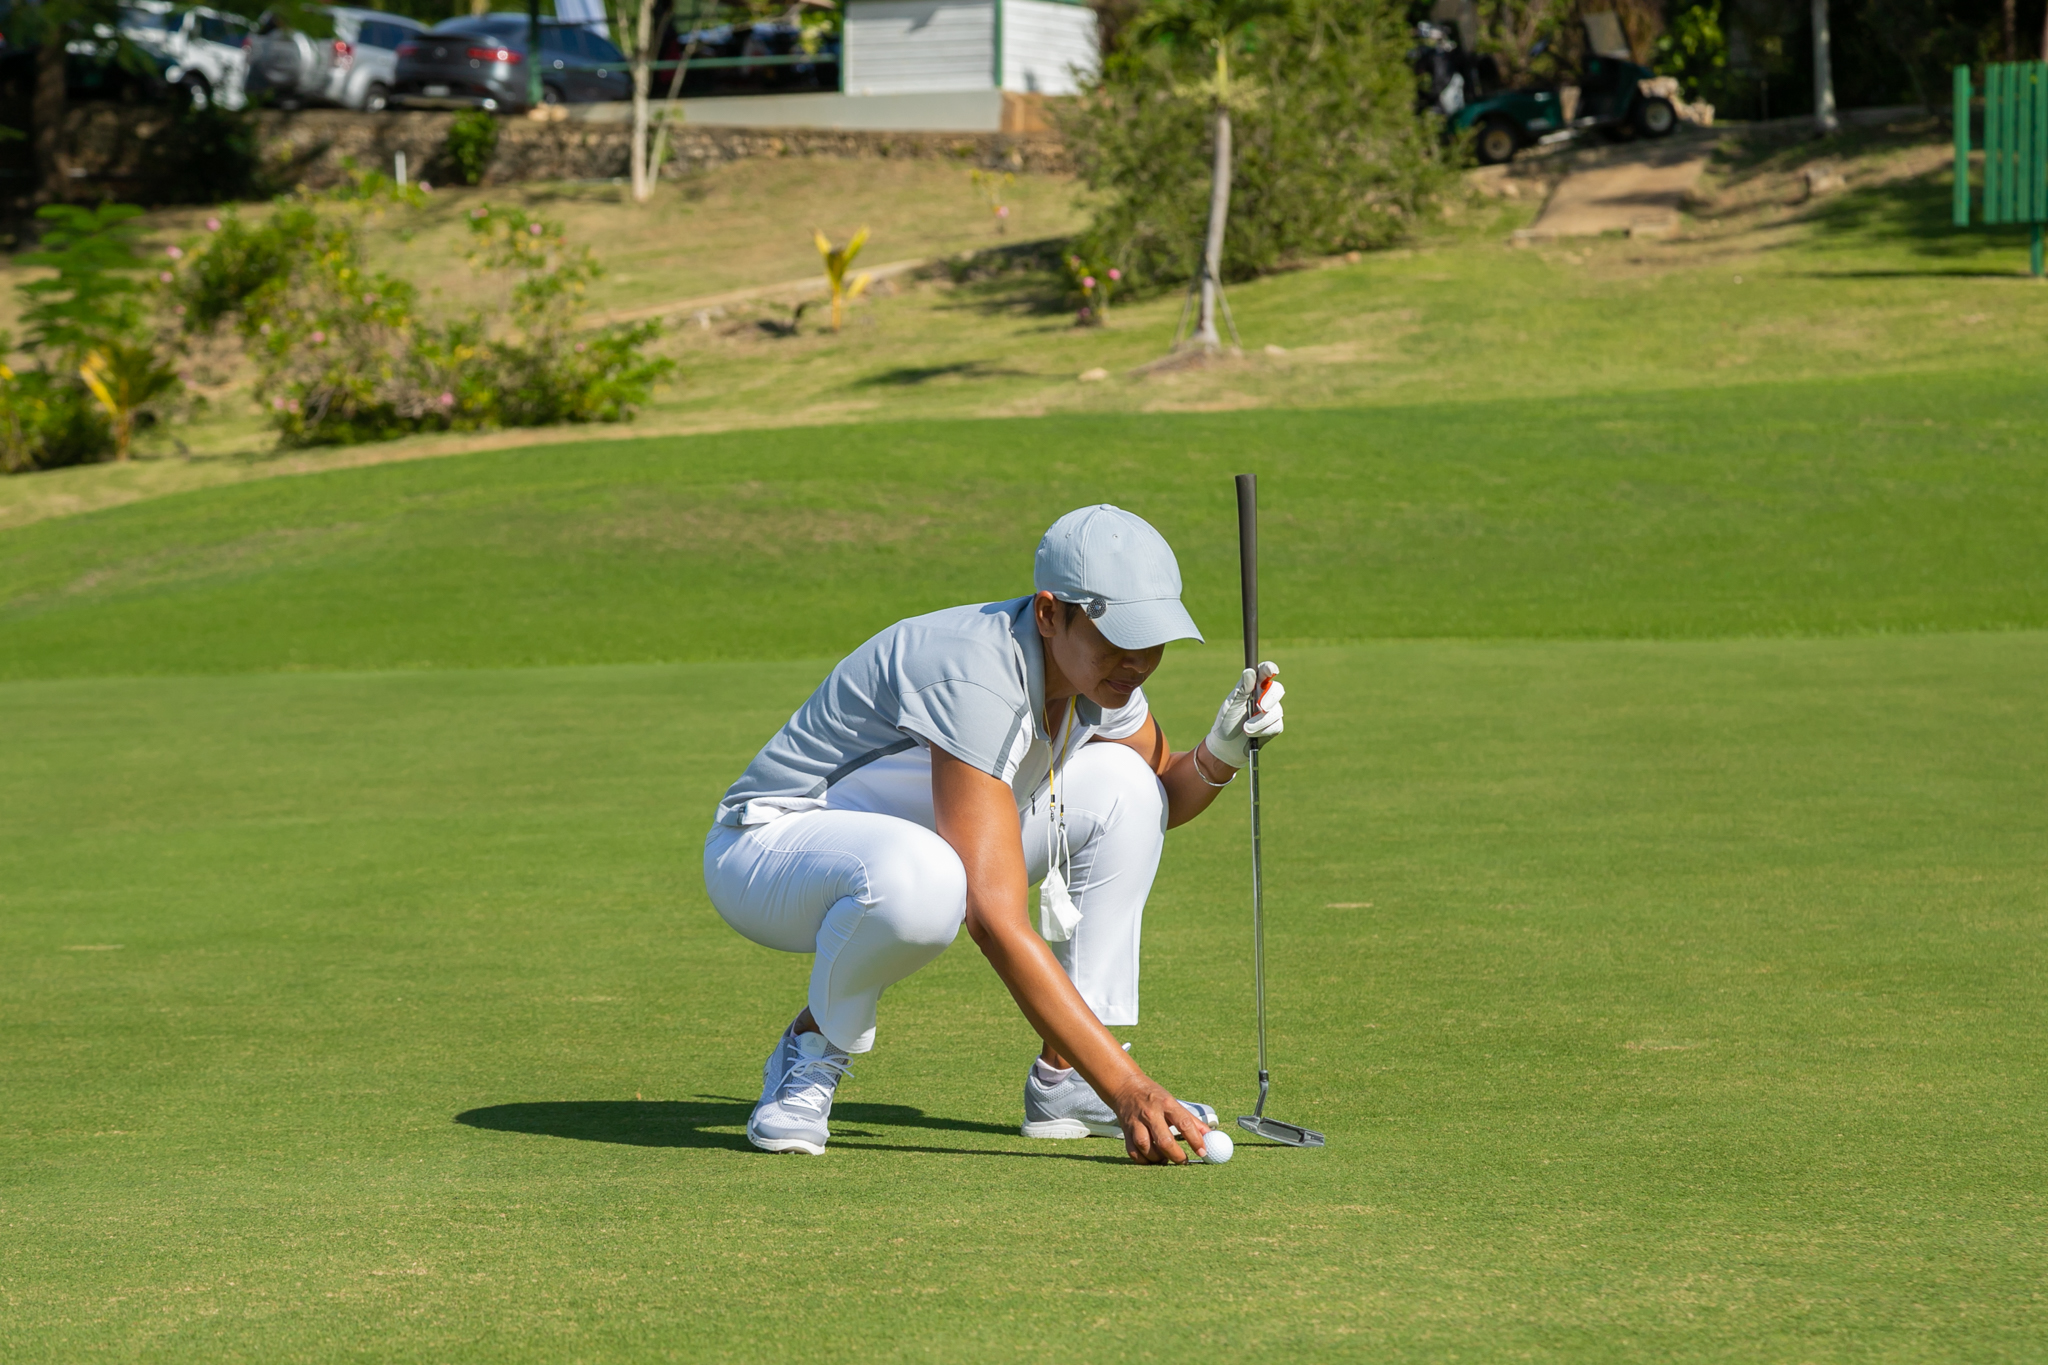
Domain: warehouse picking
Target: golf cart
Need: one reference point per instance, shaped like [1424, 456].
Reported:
[1608, 98]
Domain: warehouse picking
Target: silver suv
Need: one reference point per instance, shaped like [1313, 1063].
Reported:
[333, 55]
[204, 47]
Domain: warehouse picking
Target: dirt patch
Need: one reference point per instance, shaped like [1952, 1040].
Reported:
[1639, 192]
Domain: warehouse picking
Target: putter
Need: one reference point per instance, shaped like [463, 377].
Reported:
[1273, 1130]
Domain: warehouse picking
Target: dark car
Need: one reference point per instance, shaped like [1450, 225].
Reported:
[479, 62]
[724, 60]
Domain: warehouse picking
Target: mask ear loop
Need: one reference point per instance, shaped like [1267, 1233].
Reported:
[1059, 854]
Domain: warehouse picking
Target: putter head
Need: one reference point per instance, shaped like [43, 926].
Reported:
[1273, 1130]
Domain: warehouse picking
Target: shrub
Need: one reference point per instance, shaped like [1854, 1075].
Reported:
[99, 368]
[343, 355]
[210, 155]
[48, 423]
[1091, 282]
[547, 371]
[472, 142]
[93, 292]
[238, 262]
[1329, 154]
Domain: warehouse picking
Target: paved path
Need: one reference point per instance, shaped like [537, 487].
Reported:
[1637, 190]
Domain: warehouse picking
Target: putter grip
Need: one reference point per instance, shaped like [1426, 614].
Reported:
[1248, 562]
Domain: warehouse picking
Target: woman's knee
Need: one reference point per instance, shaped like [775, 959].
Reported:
[1116, 778]
[921, 893]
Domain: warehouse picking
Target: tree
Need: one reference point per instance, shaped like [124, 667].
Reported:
[1218, 27]
[1823, 72]
[633, 22]
[1326, 153]
[48, 25]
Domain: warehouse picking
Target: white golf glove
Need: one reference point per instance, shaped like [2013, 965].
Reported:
[1251, 711]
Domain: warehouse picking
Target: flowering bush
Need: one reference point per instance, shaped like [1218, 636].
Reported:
[341, 350]
[1094, 282]
[994, 188]
[546, 370]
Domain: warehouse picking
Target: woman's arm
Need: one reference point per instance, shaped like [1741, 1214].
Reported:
[977, 815]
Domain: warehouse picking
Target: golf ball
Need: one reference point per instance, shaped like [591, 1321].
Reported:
[1217, 1146]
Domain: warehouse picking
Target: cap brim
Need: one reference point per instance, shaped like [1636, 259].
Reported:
[1141, 625]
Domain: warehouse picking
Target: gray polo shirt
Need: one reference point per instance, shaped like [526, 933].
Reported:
[970, 680]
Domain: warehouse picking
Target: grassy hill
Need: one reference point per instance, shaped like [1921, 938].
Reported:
[1909, 504]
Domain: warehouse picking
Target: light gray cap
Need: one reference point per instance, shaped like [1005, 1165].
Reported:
[1121, 571]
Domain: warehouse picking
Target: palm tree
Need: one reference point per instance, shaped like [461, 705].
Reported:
[1823, 72]
[1218, 27]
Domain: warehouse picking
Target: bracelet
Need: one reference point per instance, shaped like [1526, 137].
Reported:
[1195, 757]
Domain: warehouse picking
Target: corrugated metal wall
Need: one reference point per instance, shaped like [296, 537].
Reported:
[1044, 43]
[897, 47]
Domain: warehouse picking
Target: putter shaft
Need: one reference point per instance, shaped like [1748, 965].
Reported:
[1258, 933]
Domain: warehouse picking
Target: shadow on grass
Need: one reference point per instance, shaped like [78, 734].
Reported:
[697, 1123]
[2018, 273]
[905, 376]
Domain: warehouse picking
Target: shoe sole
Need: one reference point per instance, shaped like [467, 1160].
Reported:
[787, 1145]
[1080, 1128]
[1068, 1128]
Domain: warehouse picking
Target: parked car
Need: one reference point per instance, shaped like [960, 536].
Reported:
[479, 62]
[334, 55]
[105, 66]
[719, 65]
[204, 47]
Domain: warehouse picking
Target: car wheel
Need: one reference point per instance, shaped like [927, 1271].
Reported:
[1655, 117]
[552, 95]
[377, 98]
[1498, 141]
[197, 90]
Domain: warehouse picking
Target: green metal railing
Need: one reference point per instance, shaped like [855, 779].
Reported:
[2015, 188]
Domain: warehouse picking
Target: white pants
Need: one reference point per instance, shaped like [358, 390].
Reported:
[876, 896]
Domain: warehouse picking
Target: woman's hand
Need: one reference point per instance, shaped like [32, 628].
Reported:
[1149, 1116]
[1251, 712]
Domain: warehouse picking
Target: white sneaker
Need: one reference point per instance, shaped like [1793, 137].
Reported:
[797, 1082]
[1070, 1108]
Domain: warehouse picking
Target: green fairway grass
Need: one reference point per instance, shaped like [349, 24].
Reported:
[1896, 504]
[1661, 1001]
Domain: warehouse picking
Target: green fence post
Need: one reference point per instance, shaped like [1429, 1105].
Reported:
[2022, 142]
[1962, 195]
[1994, 140]
[2014, 153]
[2038, 170]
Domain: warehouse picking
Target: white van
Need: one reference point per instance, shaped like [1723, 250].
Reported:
[206, 48]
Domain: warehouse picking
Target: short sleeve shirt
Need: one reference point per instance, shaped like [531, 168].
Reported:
[970, 680]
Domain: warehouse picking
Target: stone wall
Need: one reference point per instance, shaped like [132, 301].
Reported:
[113, 147]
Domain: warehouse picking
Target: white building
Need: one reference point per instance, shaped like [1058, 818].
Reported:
[941, 66]
[914, 47]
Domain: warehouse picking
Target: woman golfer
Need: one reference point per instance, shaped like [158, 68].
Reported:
[937, 772]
